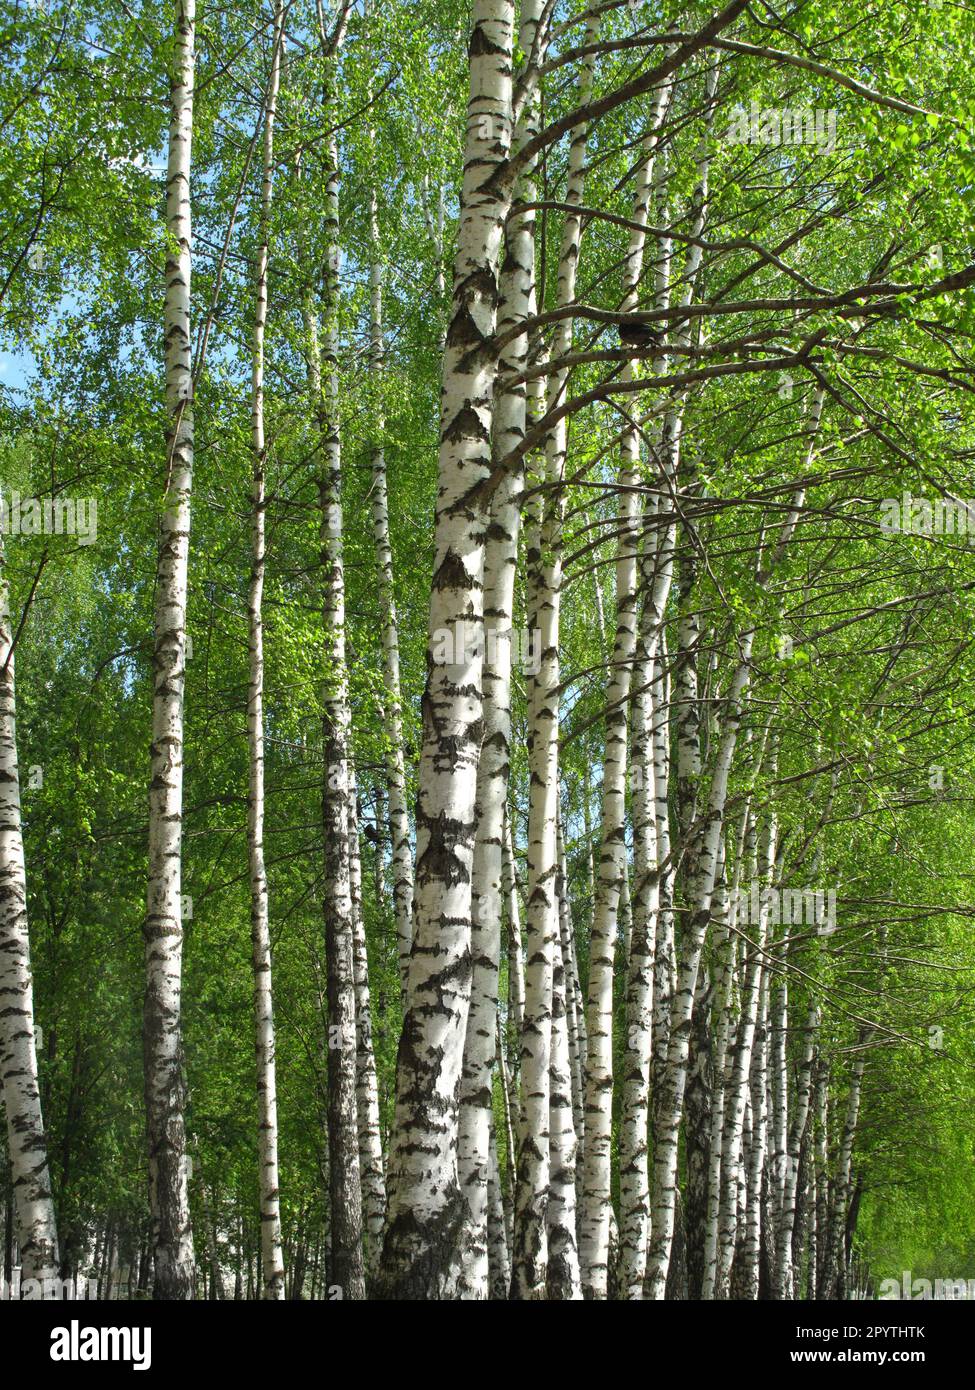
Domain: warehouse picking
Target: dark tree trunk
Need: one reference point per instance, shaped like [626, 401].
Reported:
[697, 1124]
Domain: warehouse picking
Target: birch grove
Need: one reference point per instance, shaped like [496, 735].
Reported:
[555, 879]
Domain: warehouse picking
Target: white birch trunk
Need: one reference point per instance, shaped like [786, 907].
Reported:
[638, 1047]
[549, 1155]
[725, 951]
[498, 1261]
[595, 1196]
[664, 968]
[517, 288]
[542, 927]
[399, 820]
[778, 1085]
[818, 1246]
[272, 1262]
[784, 1277]
[164, 1087]
[338, 782]
[701, 880]
[649, 762]
[501, 554]
[33, 1209]
[736, 1099]
[840, 1196]
[728, 1012]
[748, 1267]
[371, 1177]
[564, 1281]
[573, 994]
[426, 1209]
[516, 960]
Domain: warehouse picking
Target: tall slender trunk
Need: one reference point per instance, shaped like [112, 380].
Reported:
[748, 1271]
[8, 1211]
[426, 1208]
[638, 1045]
[725, 953]
[517, 287]
[547, 1159]
[595, 1198]
[28, 1193]
[267, 1103]
[508, 1110]
[399, 820]
[338, 783]
[498, 1261]
[371, 1176]
[818, 1247]
[699, 1101]
[563, 1280]
[664, 964]
[701, 882]
[542, 927]
[516, 961]
[650, 811]
[835, 1265]
[736, 1099]
[164, 1086]
[778, 1082]
[805, 1271]
[210, 1205]
[573, 996]
[791, 1203]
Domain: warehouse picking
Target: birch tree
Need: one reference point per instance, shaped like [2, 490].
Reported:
[338, 795]
[272, 1267]
[164, 1085]
[426, 1208]
[517, 290]
[595, 1206]
[30, 1183]
[399, 821]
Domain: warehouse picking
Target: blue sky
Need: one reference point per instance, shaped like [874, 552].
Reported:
[15, 367]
